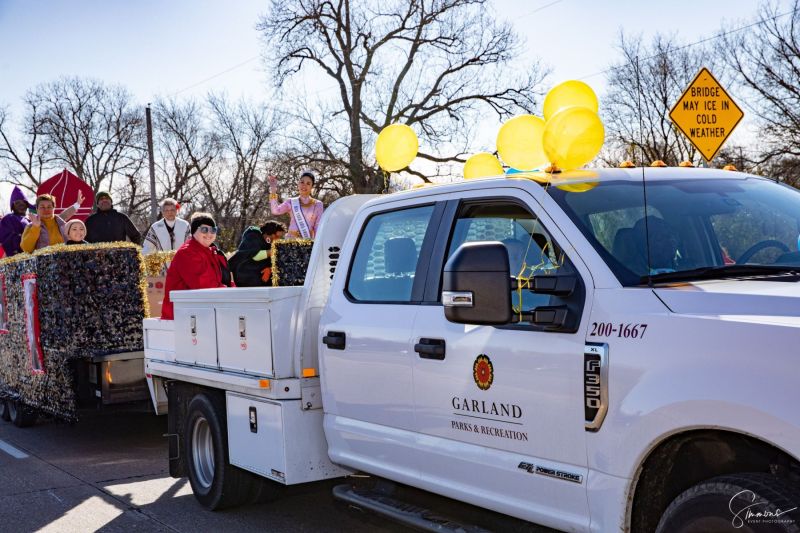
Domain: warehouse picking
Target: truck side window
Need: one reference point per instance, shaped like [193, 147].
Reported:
[531, 250]
[387, 255]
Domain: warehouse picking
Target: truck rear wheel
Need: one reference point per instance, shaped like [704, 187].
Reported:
[722, 504]
[21, 415]
[216, 483]
[4, 414]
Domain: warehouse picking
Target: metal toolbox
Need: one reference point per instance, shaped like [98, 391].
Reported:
[278, 440]
[244, 330]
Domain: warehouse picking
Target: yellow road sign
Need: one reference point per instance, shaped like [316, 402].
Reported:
[706, 114]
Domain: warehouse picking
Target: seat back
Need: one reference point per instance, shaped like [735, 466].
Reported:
[400, 255]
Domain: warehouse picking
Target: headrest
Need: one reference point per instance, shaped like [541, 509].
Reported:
[400, 255]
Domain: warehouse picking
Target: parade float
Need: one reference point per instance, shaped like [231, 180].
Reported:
[70, 324]
[69, 334]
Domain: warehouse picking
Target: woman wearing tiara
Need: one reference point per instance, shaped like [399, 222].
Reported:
[305, 212]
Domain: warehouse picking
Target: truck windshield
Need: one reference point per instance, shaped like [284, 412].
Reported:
[690, 228]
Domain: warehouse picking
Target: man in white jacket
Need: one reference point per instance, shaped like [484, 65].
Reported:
[169, 233]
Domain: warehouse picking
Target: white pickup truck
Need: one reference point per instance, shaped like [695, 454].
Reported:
[605, 350]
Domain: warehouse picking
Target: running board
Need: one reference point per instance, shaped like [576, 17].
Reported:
[405, 513]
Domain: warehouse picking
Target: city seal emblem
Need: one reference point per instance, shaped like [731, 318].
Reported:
[483, 372]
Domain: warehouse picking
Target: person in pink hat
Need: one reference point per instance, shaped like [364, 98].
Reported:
[75, 231]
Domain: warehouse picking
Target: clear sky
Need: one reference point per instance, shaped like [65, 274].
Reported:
[579, 37]
[152, 47]
[167, 47]
[161, 47]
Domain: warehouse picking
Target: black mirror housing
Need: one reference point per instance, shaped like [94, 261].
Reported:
[561, 285]
[476, 288]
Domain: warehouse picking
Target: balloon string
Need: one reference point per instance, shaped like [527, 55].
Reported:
[549, 261]
[546, 262]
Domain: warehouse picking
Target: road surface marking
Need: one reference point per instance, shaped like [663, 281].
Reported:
[13, 452]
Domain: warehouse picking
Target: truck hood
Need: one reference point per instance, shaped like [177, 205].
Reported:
[734, 297]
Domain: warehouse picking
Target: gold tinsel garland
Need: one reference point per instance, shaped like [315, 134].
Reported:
[59, 248]
[274, 255]
[155, 264]
[7, 260]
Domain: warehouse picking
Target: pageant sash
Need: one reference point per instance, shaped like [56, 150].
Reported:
[300, 219]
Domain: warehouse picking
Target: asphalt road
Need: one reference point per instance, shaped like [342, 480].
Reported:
[109, 472]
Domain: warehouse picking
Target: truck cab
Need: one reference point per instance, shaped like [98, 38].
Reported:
[595, 350]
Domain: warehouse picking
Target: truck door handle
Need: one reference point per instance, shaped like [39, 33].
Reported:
[430, 348]
[335, 340]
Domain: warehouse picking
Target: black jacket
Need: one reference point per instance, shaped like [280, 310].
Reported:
[111, 226]
[246, 272]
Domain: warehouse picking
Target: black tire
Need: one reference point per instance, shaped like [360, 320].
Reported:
[4, 413]
[721, 504]
[215, 482]
[264, 490]
[21, 415]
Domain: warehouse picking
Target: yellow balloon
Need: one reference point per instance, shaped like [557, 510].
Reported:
[519, 142]
[573, 137]
[578, 187]
[482, 165]
[568, 94]
[396, 147]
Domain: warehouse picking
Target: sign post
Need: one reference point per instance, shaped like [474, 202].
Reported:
[151, 158]
[706, 114]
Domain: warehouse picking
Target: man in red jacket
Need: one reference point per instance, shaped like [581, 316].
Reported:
[198, 264]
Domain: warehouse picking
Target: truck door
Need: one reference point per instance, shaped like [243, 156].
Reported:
[500, 410]
[366, 368]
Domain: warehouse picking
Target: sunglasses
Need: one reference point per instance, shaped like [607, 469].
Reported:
[208, 229]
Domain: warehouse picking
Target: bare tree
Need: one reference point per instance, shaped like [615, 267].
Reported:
[432, 64]
[785, 169]
[643, 87]
[24, 153]
[89, 127]
[766, 60]
[215, 155]
[186, 148]
[248, 137]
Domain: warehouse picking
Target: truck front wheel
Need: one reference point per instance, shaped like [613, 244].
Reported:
[748, 503]
[216, 484]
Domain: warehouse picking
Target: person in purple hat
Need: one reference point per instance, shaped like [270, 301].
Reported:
[13, 224]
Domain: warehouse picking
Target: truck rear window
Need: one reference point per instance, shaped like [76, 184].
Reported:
[387, 255]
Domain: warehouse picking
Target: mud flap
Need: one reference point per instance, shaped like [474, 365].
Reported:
[177, 398]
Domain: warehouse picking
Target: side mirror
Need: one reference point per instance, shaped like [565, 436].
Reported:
[476, 288]
[558, 285]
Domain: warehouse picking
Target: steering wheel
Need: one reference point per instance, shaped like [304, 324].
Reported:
[757, 247]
